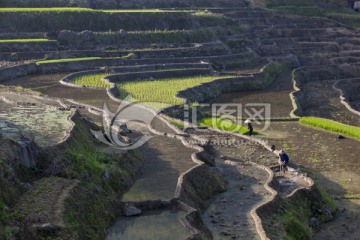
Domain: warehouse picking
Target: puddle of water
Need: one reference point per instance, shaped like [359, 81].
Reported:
[45, 124]
[153, 225]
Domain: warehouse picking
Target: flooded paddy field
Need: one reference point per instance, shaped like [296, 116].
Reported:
[49, 85]
[157, 225]
[165, 160]
[35, 118]
[277, 95]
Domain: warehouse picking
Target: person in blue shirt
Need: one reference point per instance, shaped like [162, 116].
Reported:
[283, 160]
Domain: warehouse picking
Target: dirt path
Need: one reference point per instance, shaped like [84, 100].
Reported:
[44, 202]
[59, 205]
[228, 214]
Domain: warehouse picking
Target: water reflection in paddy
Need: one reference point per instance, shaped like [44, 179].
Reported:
[154, 225]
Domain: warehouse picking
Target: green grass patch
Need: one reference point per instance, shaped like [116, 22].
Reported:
[326, 198]
[161, 92]
[332, 126]
[67, 60]
[25, 40]
[289, 219]
[92, 80]
[59, 9]
[351, 196]
[225, 125]
[63, 60]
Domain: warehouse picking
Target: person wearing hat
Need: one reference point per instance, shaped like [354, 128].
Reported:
[250, 127]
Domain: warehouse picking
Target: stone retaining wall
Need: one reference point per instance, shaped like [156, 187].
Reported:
[28, 46]
[18, 71]
[47, 68]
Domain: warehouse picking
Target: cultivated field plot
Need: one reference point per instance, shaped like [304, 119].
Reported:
[79, 160]
[161, 91]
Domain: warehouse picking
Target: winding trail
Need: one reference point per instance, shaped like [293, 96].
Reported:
[228, 215]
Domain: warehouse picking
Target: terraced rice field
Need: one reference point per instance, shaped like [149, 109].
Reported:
[332, 126]
[225, 125]
[93, 80]
[161, 92]
[175, 197]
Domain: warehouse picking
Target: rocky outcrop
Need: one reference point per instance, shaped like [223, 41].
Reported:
[27, 153]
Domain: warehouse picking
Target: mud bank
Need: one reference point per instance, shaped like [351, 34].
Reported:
[292, 216]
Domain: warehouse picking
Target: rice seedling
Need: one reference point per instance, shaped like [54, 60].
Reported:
[92, 80]
[57, 9]
[224, 124]
[332, 126]
[161, 90]
[26, 40]
[67, 60]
